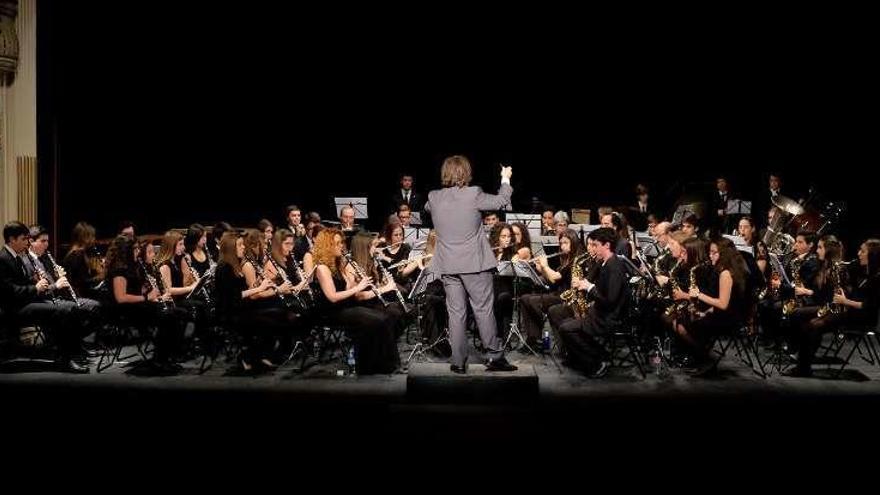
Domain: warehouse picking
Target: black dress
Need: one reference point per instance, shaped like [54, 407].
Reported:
[503, 298]
[196, 308]
[80, 274]
[535, 306]
[372, 330]
[865, 290]
[200, 266]
[167, 318]
[402, 254]
[260, 323]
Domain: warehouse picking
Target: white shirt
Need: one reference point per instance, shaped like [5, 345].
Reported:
[643, 207]
[405, 194]
[774, 192]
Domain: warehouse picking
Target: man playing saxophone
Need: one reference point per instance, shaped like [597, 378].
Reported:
[609, 295]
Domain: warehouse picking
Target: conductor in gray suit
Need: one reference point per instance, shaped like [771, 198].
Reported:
[464, 259]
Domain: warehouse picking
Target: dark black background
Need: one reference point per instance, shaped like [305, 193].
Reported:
[168, 115]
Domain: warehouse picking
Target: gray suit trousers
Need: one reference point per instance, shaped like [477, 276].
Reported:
[476, 288]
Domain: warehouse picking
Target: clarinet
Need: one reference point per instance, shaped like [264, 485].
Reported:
[302, 277]
[156, 285]
[42, 274]
[387, 277]
[196, 277]
[362, 275]
[59, 272]
[260, 273]
[307, 287]
[285, 280]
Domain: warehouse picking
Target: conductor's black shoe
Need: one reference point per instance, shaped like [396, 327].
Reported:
[797, 373]
[500, 364]
[71, 366]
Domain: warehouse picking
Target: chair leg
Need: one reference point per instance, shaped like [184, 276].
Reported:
[849, 356]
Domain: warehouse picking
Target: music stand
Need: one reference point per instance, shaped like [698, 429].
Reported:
[682, 212]
[358, 204]
[647, 245]
[738, 207]
[531, 221]
[199, 285]
[415, 218]
[419, 288]
[740, 243]
[518, 270]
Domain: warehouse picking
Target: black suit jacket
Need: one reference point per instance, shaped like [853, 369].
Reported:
[610, 295]
[636, 218]
[718, 204]
[300, 248]
[416, 201]
[16, 289]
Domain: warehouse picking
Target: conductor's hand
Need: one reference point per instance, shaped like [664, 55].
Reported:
[506, 172]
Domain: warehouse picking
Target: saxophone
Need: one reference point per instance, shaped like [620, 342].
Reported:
[794, 302]
[573, 297]
[834, 280]
[678, 308]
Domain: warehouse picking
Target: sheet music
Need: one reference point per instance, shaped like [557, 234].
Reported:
[359, 205]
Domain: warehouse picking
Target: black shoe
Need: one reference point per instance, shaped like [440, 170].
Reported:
[601, 371]
[71, 366]
[500, 364]
[461, 370]
[88, 353]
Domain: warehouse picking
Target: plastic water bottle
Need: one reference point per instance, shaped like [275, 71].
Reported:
[545, 341]
[656, 362]
[351, 360]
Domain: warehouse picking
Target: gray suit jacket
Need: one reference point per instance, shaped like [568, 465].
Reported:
[462, 246]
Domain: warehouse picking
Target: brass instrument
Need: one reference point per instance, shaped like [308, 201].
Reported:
[835, 281]
[688, 307]
[795, 301]
[362, 275]
[386, 276]
[662, 292]
[60, 273]
[572, 297]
